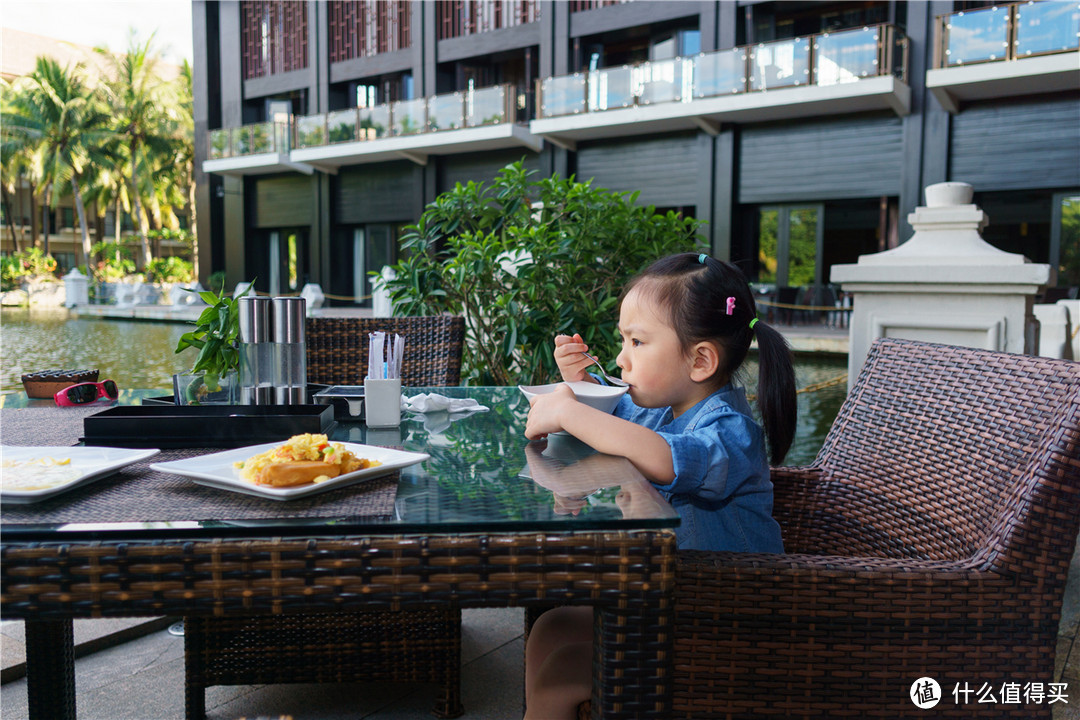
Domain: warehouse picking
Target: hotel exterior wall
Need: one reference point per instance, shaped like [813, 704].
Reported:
[821, 159]
[847, 156]
[1009, 145]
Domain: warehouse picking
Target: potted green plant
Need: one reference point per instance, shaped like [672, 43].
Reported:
[213, 375]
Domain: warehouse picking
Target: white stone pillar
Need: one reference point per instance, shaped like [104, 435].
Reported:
[945, 284]
[76, 289]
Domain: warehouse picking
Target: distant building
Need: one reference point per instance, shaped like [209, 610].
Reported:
[19, 52]
[802, 132]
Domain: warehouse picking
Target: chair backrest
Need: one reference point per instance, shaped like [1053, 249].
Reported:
[947, 453]
[337, 348]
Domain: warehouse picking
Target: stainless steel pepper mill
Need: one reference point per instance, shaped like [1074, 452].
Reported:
[290, 362]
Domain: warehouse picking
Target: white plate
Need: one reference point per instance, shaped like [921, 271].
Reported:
[87, 463]
[217, 470]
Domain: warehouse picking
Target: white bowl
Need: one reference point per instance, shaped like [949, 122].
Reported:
[602, 397]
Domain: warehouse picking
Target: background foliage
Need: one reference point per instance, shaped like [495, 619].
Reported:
[523, 260]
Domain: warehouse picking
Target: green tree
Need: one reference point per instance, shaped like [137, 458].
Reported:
[138, 100]
[523, 260]
[57, 117]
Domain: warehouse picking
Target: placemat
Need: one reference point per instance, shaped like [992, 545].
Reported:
[137, 494]
[49, 425]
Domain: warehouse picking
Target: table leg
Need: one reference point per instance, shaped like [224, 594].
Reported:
[50, 669]
[633, 662]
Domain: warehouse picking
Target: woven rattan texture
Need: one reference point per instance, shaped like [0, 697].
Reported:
[46, 426]
[628, 575]
[138, 494]
[931, 537]
[226, 577]
[405, 646]
[337, 349]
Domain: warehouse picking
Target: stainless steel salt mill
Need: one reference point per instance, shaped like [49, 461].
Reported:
[290, 362]
[256, 352]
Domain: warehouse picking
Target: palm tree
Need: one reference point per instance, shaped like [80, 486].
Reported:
[136, 94]
[14, 163]
[57, 119]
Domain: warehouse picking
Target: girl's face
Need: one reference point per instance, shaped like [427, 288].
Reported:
[652, 360]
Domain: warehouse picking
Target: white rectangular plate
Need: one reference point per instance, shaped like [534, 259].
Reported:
[217, 470]
[87, 463]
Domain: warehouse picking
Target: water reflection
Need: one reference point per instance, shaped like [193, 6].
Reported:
[133, 353]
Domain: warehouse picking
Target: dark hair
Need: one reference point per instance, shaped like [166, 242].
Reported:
[694, 288]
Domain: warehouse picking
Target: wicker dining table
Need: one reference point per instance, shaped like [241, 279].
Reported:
[488, 520]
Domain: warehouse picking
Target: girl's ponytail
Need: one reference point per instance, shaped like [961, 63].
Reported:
[776, 390]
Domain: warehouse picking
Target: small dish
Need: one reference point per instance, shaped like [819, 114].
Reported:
[217, 471]
[602, 397]
[86, 464]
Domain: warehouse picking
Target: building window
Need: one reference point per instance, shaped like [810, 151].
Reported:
[360, 28]
[455, 18]
[275, 37]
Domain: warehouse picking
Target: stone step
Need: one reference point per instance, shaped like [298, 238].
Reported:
[90, 636]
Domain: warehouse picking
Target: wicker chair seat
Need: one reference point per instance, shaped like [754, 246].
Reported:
[402, 646]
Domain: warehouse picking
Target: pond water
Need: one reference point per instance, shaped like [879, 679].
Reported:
[139, 354]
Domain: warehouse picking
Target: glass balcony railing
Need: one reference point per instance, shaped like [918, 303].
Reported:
[1007, 32]
[1046, 27]
[785, 63]
[719, 73]
[450, 111]
[825, 59]
[446, 112]
[564, 95]
[488, 106]
[254, 139]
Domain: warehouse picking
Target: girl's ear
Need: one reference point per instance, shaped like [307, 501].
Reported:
[705, 361]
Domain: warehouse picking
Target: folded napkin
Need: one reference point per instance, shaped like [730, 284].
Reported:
[433, 402]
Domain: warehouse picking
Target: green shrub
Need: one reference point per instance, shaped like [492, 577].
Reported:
[116, 260]
[26, 265]
[523, 260]
[169, 270]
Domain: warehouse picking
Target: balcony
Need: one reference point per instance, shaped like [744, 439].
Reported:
[1005, 50]
[460, 122]
[256, 149]
[841, 72]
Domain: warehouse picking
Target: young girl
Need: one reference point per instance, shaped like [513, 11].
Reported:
[686, 325]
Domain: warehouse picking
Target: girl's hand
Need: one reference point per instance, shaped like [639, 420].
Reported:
[568, 355]
[546, 410]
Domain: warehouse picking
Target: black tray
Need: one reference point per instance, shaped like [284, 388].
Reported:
[170, 400]
[224, 426]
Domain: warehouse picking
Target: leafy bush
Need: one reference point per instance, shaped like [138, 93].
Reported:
[523, 260]
[116, 263]
[169, 270]
[28, 264]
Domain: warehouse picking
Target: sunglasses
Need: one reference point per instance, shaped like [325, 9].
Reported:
[87, 392]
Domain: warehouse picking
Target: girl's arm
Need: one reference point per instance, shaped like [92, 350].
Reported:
[560, 410]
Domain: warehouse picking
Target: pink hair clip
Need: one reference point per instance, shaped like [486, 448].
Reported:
[731, 305]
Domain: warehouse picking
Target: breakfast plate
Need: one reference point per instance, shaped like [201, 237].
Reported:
[218, 471]
[32, 474]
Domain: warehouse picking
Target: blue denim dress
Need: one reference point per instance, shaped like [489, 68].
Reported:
[722, 489]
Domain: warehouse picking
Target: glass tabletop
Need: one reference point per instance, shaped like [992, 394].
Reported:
[482, 475]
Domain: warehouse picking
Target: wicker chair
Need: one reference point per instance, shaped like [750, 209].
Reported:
[408, 646]
[931, 538]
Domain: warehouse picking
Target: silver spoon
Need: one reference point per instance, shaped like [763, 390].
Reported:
[610, 379]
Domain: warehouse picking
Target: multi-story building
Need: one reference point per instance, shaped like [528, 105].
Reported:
[802, 132]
